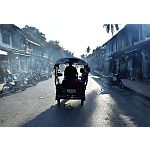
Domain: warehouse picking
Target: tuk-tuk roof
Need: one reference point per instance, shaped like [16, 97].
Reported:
[73, 60]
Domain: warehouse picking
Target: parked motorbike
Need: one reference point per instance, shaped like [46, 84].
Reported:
[50, 75]
[31, 81]
[44, 76]
[115, 80]
[13, 85]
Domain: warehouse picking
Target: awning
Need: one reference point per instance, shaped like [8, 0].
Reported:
[131, 51]
[3, 52]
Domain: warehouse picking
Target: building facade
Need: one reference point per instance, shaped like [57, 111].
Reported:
[128, 52]
[20, 54]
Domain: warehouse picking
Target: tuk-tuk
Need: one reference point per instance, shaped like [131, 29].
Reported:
[73, 88]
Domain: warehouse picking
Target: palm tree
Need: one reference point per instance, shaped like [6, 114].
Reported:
[83, 56]
[88, 50]
[111, 27]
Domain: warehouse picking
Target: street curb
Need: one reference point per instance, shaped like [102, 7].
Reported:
[128, 88]
[136, 88]
[148, 98]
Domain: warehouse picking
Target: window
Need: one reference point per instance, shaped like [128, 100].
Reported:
[6, 37]
[22, 44]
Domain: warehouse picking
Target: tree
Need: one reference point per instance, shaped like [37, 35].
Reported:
[55, 50]
[34, 34]
[82, 56]
[68, 53]
[52, 48]
[111, 27]
[88, 50]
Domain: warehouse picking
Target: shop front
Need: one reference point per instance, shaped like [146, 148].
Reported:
[4, 64]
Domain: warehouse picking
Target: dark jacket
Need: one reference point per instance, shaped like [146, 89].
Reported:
[70, 72]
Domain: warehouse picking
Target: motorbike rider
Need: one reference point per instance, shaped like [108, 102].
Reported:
[70, 72]
[70, 77]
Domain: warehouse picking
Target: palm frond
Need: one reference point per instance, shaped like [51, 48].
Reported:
[117, 27]
[111, 27]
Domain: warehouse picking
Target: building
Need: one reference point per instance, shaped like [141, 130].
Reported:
[128, 52]
[18, 53]
[21, 53]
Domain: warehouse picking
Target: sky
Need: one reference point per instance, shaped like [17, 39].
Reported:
[76, 24]
[74, 37]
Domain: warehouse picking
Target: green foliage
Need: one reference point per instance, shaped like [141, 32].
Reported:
[88, 49]
[111, 27]
[53, 48]
[82, 56]
[68, 53]
[34, 34]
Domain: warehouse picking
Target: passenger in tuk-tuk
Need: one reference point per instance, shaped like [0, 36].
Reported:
[84, 75]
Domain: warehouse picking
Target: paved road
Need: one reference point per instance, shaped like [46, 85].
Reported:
[108, 107]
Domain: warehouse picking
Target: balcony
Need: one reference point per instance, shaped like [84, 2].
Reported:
[143, 40]
[5, 46]
[45, 55]
[26, 52]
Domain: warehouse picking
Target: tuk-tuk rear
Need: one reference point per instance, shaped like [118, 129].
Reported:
[69, 88]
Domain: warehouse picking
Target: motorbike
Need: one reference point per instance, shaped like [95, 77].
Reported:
[115, 80]
[50, 75]
[44, 76]
[31, 81]
[13, 85]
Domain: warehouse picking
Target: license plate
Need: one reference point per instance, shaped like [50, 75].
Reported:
[71, 91]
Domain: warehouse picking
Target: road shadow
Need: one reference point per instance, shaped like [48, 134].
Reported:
[68, 114]
[1, 94]
[9, 94]
[128, 109]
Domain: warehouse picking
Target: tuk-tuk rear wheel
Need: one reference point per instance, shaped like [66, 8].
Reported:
[82, 101]
[58, 102]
